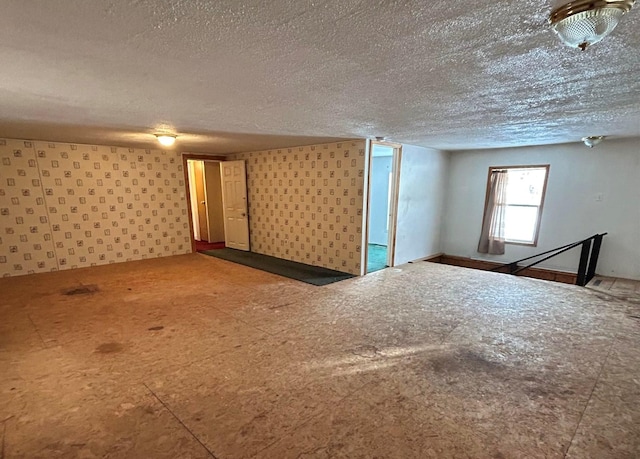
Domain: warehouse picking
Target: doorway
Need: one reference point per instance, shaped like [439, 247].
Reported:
[205, 193]
[384, 162]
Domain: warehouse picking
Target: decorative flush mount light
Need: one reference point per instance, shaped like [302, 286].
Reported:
[582, 23]
[166, 140]
[593, 140]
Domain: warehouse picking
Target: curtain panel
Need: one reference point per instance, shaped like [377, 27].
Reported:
[492, 235]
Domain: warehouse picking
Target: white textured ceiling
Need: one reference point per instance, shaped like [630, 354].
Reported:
[234, 75]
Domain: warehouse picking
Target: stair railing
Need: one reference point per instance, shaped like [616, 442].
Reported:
[586, 267]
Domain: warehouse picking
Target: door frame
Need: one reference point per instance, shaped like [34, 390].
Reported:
[185, 169]
[393, 204]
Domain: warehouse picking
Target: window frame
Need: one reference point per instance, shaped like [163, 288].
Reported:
[547, 167]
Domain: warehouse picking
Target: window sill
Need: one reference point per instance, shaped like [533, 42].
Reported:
[526, 244]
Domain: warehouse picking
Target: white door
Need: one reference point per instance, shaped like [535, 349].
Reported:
[234, 201]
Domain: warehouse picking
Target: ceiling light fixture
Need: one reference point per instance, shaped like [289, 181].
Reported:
[593, 140]
[166, 140]
[582, 23]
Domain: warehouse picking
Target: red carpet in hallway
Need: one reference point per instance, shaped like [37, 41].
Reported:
[204, 245]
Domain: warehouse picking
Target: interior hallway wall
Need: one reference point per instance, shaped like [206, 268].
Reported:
[379, 200]
[588, 191]
[193, 195]
[215, 209]
[305, 203]
[198, 200]
[66, 206]
[421, 197]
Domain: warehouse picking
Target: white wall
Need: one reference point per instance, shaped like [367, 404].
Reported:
[423, 178]
[379, 201]
[577, 178]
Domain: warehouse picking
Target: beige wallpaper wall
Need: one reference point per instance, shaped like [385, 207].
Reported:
[67, 206]
[305, 203]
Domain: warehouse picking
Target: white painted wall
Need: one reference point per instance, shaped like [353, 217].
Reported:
[423, 178]
[379, 203]
[572, 211]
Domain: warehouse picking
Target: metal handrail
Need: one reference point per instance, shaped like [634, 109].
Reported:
[588, 258]
[573, 244]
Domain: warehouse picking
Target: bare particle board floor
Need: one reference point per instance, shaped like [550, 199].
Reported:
[191, 356]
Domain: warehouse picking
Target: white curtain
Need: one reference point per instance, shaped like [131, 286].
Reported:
[492, 236]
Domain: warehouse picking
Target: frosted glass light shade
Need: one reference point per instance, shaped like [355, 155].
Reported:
[582, 23]
[166, 140]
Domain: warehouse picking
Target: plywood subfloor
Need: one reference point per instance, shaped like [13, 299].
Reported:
[614, 286]
[192, 356]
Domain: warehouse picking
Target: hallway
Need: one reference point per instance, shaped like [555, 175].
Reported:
[376, 257]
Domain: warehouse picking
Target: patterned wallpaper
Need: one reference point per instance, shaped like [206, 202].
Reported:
[26, 243]
[305, 203]
[69, 206]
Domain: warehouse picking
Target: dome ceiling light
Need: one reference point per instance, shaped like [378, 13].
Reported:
[593, 140]
[582, 23]
[166, 140]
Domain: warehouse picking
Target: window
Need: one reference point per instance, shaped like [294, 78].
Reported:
[523, 200]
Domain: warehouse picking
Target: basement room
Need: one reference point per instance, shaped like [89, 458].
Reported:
[337, 229]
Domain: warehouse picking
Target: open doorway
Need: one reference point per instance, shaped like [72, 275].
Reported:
[384, 161]
[205, 193]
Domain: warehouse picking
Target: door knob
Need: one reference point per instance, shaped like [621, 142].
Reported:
[203, 202]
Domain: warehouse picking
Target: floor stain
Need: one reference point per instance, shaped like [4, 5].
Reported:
[537, 392]
[366, 351]
[463, 361]
[159, 327]
[632, 298]
[109, 348]
[82, 290]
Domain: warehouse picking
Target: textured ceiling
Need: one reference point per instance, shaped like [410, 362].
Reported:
[234, 75]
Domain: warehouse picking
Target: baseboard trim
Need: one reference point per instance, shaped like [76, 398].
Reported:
[536, 273]
[434, 257]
